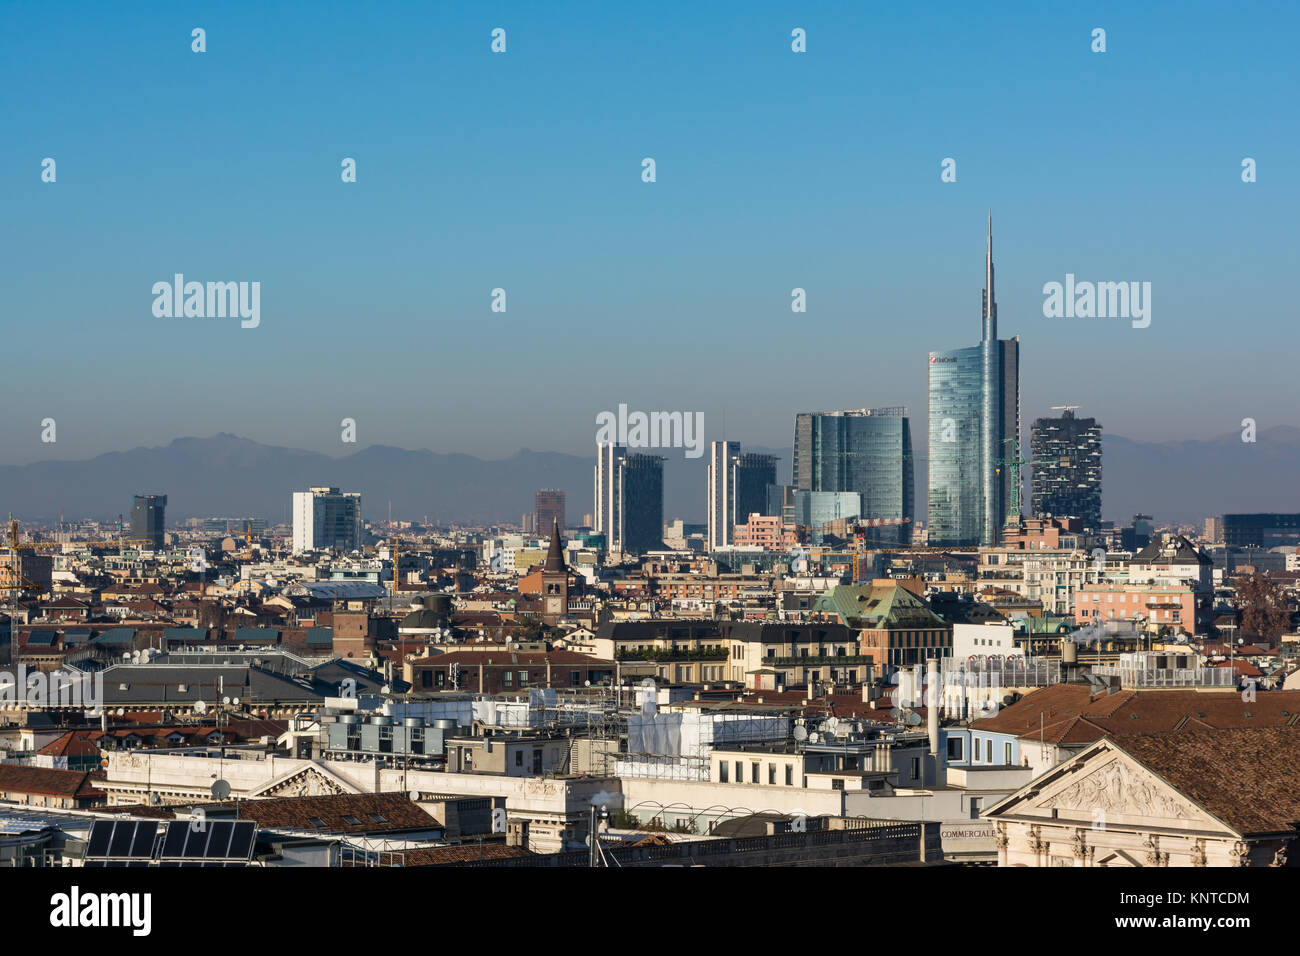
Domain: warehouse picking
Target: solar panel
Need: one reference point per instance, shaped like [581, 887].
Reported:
[100, 832]
[120, 845]
[145, 835]
[216, 840]
[174, 842]
[219, 844]
[241, 842]
[121, 840]
[197, 841]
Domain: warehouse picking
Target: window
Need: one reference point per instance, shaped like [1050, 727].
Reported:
[740, 772]
[916, 768]
[789, 775]
[753, 772]
[575, 678]
[519, 758]
[723, 771]
[507, 679]
[988, 751]
[976, 803]
[316, 822]
[523, 678]
[351, 820]
[955, 748]
[1006, 754]
[771, 773]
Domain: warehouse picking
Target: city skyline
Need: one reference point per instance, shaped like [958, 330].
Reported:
[405, 262]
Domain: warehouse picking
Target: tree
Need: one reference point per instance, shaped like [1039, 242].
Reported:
[1264, 609]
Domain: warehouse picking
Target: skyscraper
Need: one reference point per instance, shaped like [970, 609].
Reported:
[1066, 480]
[865, 450]
[974, 431]
[737, 488]
[629, 494]
[325, 518]
[549, 510]
[148, 518]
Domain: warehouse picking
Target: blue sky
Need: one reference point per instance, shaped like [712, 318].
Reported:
[775, 170]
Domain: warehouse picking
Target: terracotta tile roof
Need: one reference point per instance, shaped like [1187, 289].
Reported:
[71, 744]
[337, 813]
[462, 853]
[1072, 714]
[496, 658]
[137, 810]
[1243, 776]
[43, 782]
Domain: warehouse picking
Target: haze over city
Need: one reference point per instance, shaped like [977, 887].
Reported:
[523, 172]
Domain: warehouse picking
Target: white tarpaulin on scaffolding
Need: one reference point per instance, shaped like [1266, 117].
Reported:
[695, 735]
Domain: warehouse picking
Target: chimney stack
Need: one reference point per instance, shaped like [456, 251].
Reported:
[932, 705]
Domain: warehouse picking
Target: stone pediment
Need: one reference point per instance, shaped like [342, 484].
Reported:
[1100, 785]
[307, 782]
[1117, 787]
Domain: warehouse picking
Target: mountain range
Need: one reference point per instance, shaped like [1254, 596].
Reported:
[225, 475]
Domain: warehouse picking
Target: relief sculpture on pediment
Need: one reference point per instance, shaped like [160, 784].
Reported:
[1118, 789]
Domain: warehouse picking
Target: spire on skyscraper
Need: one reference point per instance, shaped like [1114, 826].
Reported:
[988, 304]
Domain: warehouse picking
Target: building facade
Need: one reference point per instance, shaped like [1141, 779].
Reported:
[325, 518]
[148, 519]
[629, 494]
[1066, 480]
[867, 451]
[1261, 530]
[737, 488]
[548, 510]
[974, 432]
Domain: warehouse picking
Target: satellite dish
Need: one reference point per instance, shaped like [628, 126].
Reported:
[814, 737]
[221, 789]
[200, 707]
[235, 701]
[126, 656]
[895, 713]
[831, 725]
[801, 733]
[913, 719]
[154, 799]
[226, 701]
[121, 711]
[414, 795]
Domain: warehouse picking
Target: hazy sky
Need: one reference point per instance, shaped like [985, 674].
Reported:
[522, 170]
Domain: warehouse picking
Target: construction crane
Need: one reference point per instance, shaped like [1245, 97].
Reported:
[860, 540]
[15, 541]
[15, 584]
[395, 544]
[1014, 517]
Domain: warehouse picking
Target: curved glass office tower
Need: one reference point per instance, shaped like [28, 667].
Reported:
[974, 431]
[865, 450]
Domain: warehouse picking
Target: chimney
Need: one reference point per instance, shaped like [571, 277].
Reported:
[932, 705]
